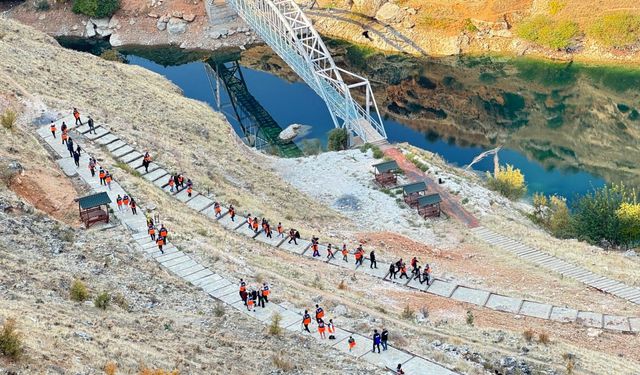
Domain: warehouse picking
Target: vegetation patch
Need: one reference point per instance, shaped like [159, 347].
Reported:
[96, 8]
[78, 291]
[616, 30]
[10, 340]
[377, 152]
[338, 139]
[508, 181]
[544, 31]
[8, 119]
[102, 300]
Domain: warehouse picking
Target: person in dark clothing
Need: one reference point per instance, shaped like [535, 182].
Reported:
[403, 271]
[306, 320]
[261, 298]
[399, 370]
[393, 273]
[133, 206]
[79, 149]
[384, 337]
[70, 146]
[76, 158]
[372, 259]
[176, 181]
[254, 296]
[92, 129]
[366, 35]
[292, 236]
[376, 341]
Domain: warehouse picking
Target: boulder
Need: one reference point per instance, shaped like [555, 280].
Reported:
[104, 32]
[290, 132]
[176, 14]
[115, 40]
[100, 22]
[90, 30]
[189, 17]
[161, 25]
[390, 13]
[176, 26]
[153, 15]
[113, 22]
[367, 7]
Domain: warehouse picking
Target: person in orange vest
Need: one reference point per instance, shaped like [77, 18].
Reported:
[280, 230]
[152, 232]
[251, 300]
[217, 209]
[189, 191]
[232, 212]
[53, 128]
[101, 175]
[352, 343]
[249, 221]
[107, 179]
[146, 160]
[426, 274]
[345, 252]
[171, 183]
[319, 312]
[306, 320]
[243, 291]
[133, 206]
[321, 328]
[331, 329]
[160, 243]
[255, 225]
[265, 292]
[330, 254]
[358, 256]
[125, 202]
[163, 231]
[267, 230]
[119, 203]
[403, 271]
[314, 247]
[64, 137]
[76, 115]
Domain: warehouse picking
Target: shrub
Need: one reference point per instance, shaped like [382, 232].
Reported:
[8, 118]
[274, 327]
[595, 216]
[546, 32]
[377, 152]
[560, 218]
[469, 26]
[470, 318]
[407, 313]
[311, 146]
[111, 368]
[113, 55]
[508, 181]
[342, 285]
[616, 30]
[218, 310]
[528, 334]
[10, 340]
[79, 291]
[338, 139]
[96, 8]
[555, 6]
[42, 6]
[417, 162]
[102, 300]
[629, 216]
[543, 338]
[121, 301]
[281, 362]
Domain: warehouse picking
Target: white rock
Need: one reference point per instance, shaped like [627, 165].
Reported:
[290, 132]
[367, 7]
[75, 27]
[42, 17]
[100, 22]
[90, 30]
[390, 13]
[176, 26]
[161, 25]
[115, 40]
[113, 22]
[104, 31]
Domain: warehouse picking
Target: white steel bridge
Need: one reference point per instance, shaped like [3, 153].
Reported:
[284, 27]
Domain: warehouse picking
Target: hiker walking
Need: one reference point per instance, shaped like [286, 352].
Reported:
[189, 191]
[160, 242]
[399, 370]
[163, 231]
[319, 312]
[384, 337]
[372, 259]
[232, 212]
[76, 115]
[345, 252]
[392, 271]
[366, 35]
[292, 236]
[243, 291]
[359, 256]
[119, 204]
[152, 231]
[426, 274]
[306, 320]
[330, 254]
[176, 182]
[92, 166]
[314, 246]
[414, 265]
[64, 137]
[267, 230]
[101, 175]
[133, 206]
[403, 271]
[78, 148]
[331, 329]
[216, 209]
[251, 299]
[146, 160]
[265, 292]
[107, 179]
[171, 183]
[70, 146]
[280, 230]
[92, 128]
[416, 273]
[125, 204]
[76, 158]
[352, 343]
[376, 341]
[321, 329]
[53, 129]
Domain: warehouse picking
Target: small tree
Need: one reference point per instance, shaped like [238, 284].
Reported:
[274, 327]
[560, 218]
[96, 8]
[508, 181]
[629, 216]
[78, 291]
[10, 340]
[8, 118]
[338, 139]
[102, 300]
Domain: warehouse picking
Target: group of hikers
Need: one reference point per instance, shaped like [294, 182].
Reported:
[418, 273]
[162, 233]
[254, 297]
[177, 182]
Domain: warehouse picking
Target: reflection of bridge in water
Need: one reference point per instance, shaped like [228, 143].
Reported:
[259, 128]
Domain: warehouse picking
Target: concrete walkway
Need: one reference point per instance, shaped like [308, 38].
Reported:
[618, 289]
[482, 298]
[200, 276]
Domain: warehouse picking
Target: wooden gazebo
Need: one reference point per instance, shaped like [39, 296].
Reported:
[411, 192]
[429, 205]
[385, 173]
[91, 210]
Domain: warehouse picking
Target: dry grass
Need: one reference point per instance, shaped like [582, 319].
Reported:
[528, 334]
[8, 119]
[274, 327]
[281, 362]
[10, 340]
[111, 368]
[543, 338]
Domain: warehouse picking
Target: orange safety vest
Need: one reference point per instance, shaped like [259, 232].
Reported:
[352, 342]
[125, 201]
[171, 181]
[152, 230]
[147, 158]
[102, 174]
[344, 252]
[242, 287]
[160, 241]
[65, 136]
[319, 313]
[321, 327]
[119, 201]
[108, 178]
[189, 190]
[53, 127]
[265, 291]
[306, 320]
[232, 212]
[76, 114]
[163, 232]
[250, 302]
[217, 209]
[331, 328]
[255, 224]
[279, 228]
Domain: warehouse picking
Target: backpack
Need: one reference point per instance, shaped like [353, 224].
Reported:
[332, 337]
[297, 234]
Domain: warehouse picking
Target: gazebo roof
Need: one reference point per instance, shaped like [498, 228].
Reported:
[414, 187]
[386, 166]
[94, 200]
[429, 200]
